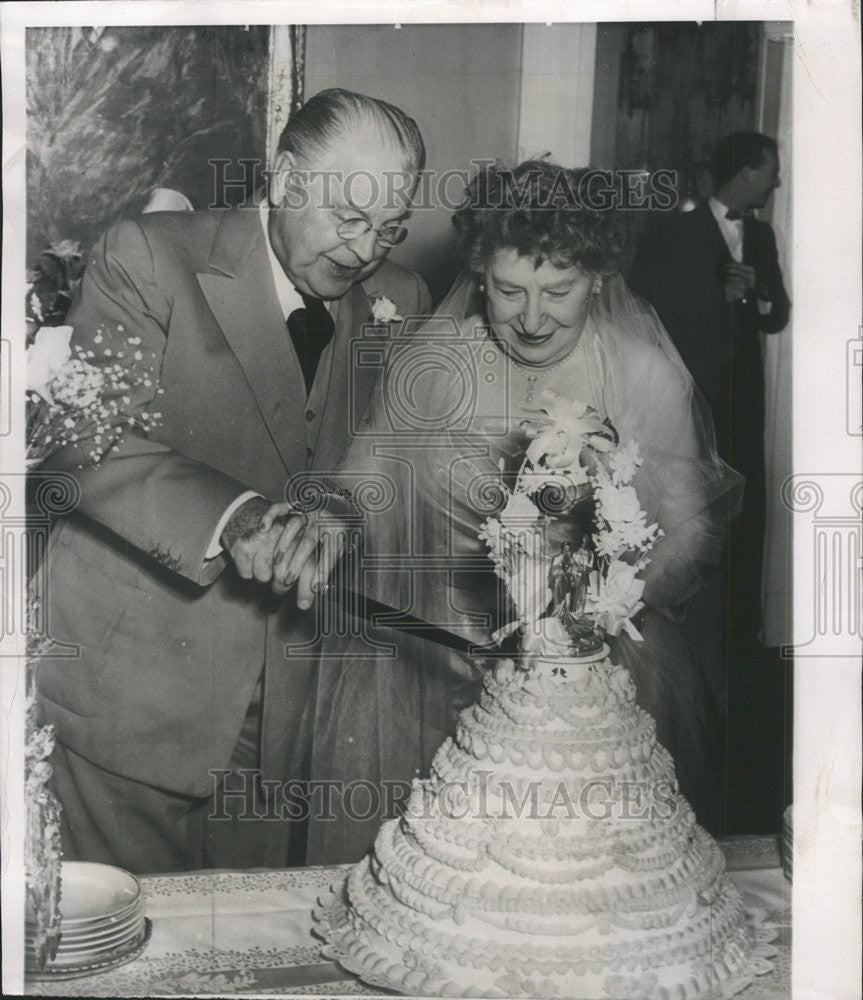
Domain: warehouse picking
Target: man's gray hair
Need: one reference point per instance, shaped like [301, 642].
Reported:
[332, 113]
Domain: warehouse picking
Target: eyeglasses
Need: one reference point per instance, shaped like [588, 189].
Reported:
[387, 236]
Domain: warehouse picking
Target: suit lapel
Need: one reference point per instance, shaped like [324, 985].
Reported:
[240, 292]
[365, 361]
[345, 394]
[750, 242]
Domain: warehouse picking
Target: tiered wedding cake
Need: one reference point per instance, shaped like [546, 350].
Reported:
[549, 854]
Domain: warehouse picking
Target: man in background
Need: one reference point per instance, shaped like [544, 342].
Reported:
[163, 575]
[713, 275]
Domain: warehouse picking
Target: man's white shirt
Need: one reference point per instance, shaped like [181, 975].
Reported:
[731, 229]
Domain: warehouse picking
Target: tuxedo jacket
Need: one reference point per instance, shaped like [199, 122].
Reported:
[171, 645]
[678, 269]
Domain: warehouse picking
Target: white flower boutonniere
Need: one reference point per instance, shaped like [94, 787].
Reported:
[384, 311]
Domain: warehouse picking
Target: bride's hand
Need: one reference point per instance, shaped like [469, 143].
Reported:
[305, 553]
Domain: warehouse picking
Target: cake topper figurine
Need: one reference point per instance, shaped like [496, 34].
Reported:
[561, 578]
[574, 473]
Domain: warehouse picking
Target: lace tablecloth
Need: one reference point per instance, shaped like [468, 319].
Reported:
[250, 932]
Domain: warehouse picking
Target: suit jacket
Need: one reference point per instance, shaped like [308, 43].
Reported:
[678, 269]
[172, 644]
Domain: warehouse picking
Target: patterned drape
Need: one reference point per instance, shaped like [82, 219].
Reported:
[113, 113]
[681, 86]
[286, 77]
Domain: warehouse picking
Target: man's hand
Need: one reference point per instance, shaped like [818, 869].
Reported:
[251, 541]
[302, 550]
[739, 279]
[305, 553]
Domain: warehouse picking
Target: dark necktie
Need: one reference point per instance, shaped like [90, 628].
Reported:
[311, 329]
[733, 215]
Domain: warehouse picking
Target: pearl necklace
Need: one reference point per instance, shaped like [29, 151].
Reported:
[533, 378]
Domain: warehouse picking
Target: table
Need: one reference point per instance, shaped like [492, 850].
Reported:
[249, 932]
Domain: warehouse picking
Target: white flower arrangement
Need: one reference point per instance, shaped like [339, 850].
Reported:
[70, 400]
[574, 452]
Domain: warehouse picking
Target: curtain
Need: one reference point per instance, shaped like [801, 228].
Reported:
[776, 112]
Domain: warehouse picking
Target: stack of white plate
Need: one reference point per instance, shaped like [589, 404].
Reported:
[102, 923]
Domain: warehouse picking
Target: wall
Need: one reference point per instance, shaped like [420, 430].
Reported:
[460, 82]
[557, 84]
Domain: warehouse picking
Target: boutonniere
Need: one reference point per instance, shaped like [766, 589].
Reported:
[384, 311]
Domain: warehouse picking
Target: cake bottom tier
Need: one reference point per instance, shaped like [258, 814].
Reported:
[711, 955]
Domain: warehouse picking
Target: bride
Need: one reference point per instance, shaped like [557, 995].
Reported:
[540, 311]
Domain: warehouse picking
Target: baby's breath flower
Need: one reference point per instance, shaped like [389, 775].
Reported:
[82, 401]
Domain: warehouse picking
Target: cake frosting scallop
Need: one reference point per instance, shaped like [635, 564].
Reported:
[549, 853]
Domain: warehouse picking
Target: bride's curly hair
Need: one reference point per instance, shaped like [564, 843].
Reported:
[542, 211]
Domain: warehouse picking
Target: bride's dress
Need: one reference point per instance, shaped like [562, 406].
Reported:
[443, 433]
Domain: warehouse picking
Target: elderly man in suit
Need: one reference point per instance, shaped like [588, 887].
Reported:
[164, 576]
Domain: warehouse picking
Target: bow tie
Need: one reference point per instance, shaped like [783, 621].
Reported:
[733, 215]
[311, 329]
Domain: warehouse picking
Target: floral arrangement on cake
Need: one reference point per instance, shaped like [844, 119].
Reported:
[573, 461]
